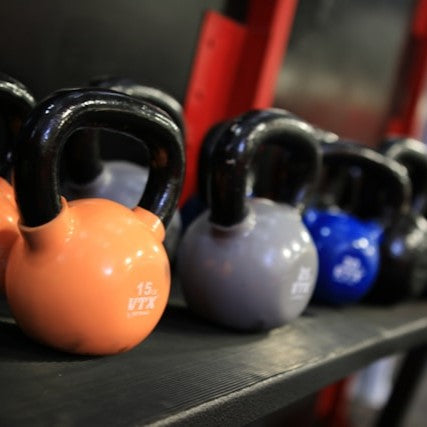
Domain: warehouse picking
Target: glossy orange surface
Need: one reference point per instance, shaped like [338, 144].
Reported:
[95, 280]
[8, 226]
[7, 191]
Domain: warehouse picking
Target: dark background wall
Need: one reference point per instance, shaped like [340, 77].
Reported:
[343, 63]
[339, 71]
[50, 44]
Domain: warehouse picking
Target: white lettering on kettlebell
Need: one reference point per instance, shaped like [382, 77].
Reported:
[144, 302]
[141, 303]
[146, 288]
[350, 271]
[302, 286]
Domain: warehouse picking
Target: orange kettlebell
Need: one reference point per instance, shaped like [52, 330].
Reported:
[15, 103]
[91, 276]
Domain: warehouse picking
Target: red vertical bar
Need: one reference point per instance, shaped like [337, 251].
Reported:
[331, 405]
[213, 74]
[412, 77]
[269, 24]
[419, 27]
[235, 69]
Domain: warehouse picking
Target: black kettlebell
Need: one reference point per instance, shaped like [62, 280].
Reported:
[16, 102]
[403, 272]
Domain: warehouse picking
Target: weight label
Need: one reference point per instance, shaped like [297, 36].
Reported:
[302, 286]
[350, 271]
[144, 301]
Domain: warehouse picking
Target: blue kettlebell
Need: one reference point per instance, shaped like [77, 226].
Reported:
[348, 241]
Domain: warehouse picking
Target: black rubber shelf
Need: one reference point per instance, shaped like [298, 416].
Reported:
[190, 372]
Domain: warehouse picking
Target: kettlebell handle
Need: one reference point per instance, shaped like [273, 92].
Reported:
[16, 102]
[205, 155]
[235, 150]
[15, 97]
[52, 122]
[146, 93]
[413, 155]
[82, 154]
[398, 188]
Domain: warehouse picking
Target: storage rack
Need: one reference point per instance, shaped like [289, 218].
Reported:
[189, 372]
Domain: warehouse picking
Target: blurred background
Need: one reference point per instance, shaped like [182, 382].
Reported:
[341, 70]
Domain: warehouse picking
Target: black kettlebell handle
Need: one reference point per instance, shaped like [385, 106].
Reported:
[16, 102]
[233, 154]
[397, 186]
[82, 154]
[51, 123]
[146, 93]
[413, 155]
[205, 155]
[325, 136]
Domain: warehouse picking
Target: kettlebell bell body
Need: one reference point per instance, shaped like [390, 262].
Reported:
[99, 276]
[248, 264]
[256, 275]
[8, 226]
[349, 241]
[111, 306]
[348, 250]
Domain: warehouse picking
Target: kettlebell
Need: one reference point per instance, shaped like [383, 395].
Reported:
[91, 276]
[348, 240]
[16, 102]
[118, 180]
[249, 263]
[197, 203]
[403, 272]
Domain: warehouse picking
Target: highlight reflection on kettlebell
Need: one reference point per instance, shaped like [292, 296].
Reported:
[250, 264]
[123, 280]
